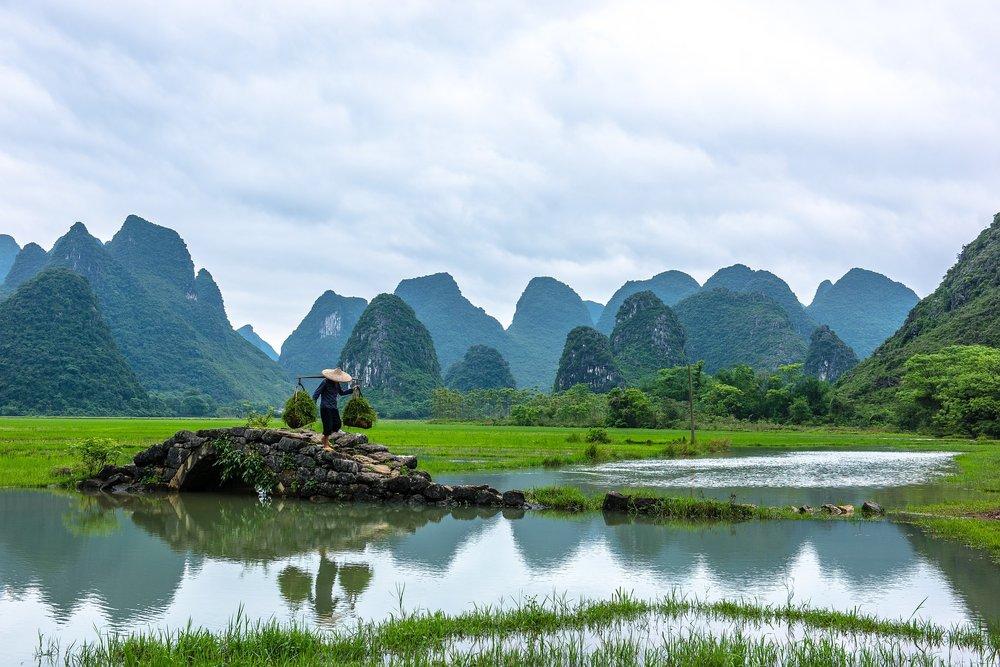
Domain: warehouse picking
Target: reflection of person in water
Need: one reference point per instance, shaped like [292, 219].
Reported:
[326, 577]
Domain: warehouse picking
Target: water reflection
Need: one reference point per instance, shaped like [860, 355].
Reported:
[762, 476]
[68, 562]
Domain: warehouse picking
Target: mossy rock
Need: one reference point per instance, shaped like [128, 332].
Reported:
[359, 413]
[300, 410]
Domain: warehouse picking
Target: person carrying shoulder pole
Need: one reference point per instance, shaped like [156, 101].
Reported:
[328, 391]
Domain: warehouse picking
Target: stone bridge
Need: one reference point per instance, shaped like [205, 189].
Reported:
[355, 470]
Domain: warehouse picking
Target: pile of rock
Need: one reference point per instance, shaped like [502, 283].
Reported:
[868, 508]
[355, 470]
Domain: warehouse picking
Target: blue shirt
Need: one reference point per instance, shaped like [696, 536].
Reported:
[328, 392]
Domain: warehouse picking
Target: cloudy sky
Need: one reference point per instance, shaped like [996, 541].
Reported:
[299, 147]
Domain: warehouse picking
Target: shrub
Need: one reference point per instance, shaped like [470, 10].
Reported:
[300, 410]
[598, 435]
[630, 408]
[95, 453]
[574, 437]
[256, 419]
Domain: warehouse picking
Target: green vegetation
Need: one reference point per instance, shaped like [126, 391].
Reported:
[482, 367]
[956, 390]
[961, 311]
[673, 630]
[391, 353]
[546, 312]
[243, 464]
[358, 412]
[658, 506]
[647, 337]
[169, 323]
[27, 264]
[455, 324]
[319, 339]
[586, 360]
[743, 279]
[631, 408]
[57, 355]
[300, 410]
[670, 287]
[725, 328]
[94, 454]
[863, 307]
[828, 357]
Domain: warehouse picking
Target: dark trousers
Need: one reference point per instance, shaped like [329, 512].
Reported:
[331, 420]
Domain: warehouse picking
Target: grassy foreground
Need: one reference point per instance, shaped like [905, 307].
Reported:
[621, 631]
[30, 447]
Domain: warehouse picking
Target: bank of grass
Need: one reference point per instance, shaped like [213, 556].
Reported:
[570, 499]
[623, 630]
[30, 447]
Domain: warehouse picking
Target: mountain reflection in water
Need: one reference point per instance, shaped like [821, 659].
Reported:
[70, 562]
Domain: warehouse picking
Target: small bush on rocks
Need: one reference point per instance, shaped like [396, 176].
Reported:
[95, 453]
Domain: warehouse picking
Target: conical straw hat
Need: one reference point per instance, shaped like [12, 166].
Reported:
[336, 375]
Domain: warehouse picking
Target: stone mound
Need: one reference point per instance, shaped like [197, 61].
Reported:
[356, 470]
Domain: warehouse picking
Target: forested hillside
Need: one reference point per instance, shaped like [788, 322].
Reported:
[961, 311]
[586, 359]
[725, 328]
[647, 337]
[169, 323]
[828, 357]
[319, 339]
[57, 354]
[863, 307]
[741, 278]
[670, 287]
[546, 312]
[391, 353]
[482, 367]
[455, 323]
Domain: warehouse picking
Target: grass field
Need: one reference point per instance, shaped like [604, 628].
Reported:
[31, 447]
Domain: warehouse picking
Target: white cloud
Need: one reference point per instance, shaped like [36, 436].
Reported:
[348, 145]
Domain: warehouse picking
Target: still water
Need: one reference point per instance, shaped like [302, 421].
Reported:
[762, 476]
[70, 563]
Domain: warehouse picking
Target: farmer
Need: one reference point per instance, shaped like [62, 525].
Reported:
[328, 390]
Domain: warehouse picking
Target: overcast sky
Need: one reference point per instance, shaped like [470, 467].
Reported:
[299, 147]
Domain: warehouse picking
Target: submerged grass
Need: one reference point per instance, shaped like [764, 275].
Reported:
[550, 632]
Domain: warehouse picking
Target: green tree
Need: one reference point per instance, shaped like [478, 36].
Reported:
[798, 411]
[955, 390]
[630, 408]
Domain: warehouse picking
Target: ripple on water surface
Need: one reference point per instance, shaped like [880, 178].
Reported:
[788, 469]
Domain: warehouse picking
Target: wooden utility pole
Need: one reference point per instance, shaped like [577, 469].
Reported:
[691, 401]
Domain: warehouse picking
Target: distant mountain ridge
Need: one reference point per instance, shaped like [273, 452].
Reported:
[168, 322]
[724, 328]
[546, 312]
[250, 336]
[455, 323]
[741, 278]
[319, 339]
[863, 307]
[8, 251]
[391, 353]
[670, 287]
